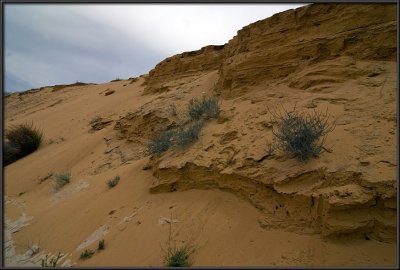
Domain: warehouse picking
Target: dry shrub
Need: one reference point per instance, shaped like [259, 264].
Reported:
[301, 134]
[22, 140]
[207, 108]
[161, 143]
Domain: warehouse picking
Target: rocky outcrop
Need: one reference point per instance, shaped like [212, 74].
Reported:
[141, 125]
[316, 201]
[182, 65]
[98, 123]
[274, 48]
[339, 57]
[318, 49]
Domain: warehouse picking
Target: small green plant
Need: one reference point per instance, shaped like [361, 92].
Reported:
[22, 140]
[189, 134]
[113, 182]
[88, 253]
[161, 143]
[301, 134]
[207, 108]
[177, 256]
[52, 262]
[61, 180]
[199, 111]
[100, 245]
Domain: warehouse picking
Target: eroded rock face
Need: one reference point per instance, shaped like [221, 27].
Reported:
[284, 44]
[142, 125]
[182, 65]
[324, 56]
[317, 201]
[277, 47]
[98, 123]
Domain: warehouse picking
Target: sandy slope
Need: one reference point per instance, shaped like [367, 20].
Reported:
[223, 227]
[235, 206]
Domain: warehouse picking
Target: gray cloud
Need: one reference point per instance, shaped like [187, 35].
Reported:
[56, 44]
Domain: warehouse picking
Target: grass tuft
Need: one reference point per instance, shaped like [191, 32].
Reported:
[207, 108]
[199, 111]
[101, 245]
[88, 253]
[179, 258]
[161, 143]
[187, 135]
[61, 180]
[113, 182]
[52, 262]
[22, 140]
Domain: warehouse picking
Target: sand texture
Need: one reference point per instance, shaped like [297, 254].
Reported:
[224, 194]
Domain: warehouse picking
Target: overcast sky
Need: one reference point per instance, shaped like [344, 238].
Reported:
[56, 44]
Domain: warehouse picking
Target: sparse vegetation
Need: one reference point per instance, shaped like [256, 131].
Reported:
[301, 134]
[186, 135]
[207, 108]
[101, 245]
[177, 256]
[113, 182]
[52, 262]
[161, 143]
[11, 153]
[198, 111]
[88, 253]
[61, 180]
[22, 140]
[181, 136]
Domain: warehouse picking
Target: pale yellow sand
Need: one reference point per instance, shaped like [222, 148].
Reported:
[236, 206]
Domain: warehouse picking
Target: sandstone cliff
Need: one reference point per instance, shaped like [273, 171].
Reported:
[286, 43]
[327, 56]
[183, 65]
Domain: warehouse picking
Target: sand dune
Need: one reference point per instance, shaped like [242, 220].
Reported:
[237, 205]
